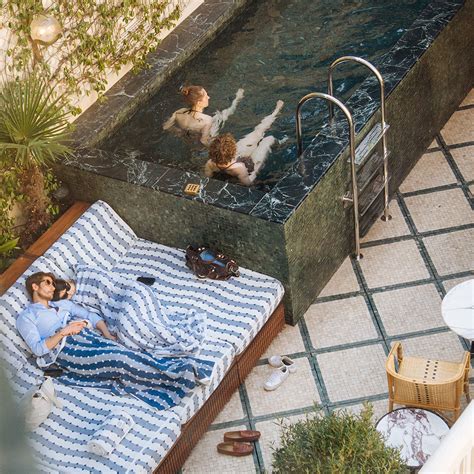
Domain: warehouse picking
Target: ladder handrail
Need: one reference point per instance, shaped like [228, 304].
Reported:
[379, 77]
[355, 197]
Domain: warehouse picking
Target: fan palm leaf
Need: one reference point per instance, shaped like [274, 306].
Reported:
[33, 123]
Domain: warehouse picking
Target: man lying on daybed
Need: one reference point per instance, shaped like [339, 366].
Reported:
[61, 332]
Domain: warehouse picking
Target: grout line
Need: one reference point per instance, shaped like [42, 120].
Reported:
[421, 246]
[314, 365]
[459, 145]
[434, 189]
[428, 233]
[466, 107]
[455, 168]
[374, 314]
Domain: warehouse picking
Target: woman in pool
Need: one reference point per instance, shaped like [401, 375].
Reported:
[194, 120]
[242, 159]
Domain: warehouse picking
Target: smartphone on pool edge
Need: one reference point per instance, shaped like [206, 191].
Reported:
[146, 280]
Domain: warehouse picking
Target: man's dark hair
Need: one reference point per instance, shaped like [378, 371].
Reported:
[36, 278]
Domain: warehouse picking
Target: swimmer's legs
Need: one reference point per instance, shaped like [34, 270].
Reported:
[260, 154]
[248, 144]
[220, 117]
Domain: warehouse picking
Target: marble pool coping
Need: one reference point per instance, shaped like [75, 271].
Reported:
[289, 192]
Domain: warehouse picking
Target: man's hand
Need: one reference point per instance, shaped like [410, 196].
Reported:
[74, 327]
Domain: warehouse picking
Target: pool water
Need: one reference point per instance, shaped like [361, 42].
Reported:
[276, 49]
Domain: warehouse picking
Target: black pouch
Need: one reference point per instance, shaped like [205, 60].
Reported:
[53, 370]
[205, 263]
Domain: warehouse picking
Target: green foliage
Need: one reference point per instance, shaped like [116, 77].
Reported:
[95, 39]
[33, 129]
[340, 443]
[6, 249]
[33, 124]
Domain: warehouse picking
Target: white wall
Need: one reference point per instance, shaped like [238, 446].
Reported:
[51, 54]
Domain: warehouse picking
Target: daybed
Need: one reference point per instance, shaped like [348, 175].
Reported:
[244, 315]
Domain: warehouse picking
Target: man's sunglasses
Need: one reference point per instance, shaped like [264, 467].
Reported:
[48, 281]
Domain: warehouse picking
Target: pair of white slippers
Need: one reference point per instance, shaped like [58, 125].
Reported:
[284, 367]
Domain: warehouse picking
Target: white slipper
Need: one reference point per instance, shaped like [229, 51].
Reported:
[277, 361]
[277, 377]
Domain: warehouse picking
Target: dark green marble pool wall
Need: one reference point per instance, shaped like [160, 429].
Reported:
[433, 89]
[319, 235]
[178, 222]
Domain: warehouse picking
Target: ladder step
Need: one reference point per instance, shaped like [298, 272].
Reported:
[371, 193]
[369, 170]
[369, 142]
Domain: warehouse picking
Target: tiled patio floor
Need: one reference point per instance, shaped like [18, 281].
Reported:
[393, 293]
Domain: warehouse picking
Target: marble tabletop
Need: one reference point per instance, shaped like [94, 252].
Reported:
[416, 432]
[458, 309]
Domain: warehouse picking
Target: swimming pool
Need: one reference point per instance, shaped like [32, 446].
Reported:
[297, 229]
[276, 49]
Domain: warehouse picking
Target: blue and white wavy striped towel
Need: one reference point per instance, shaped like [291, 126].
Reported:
[110, 433]
[135, 313]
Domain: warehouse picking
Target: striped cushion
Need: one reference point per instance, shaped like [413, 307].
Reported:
[60, 443]
[236, 309]
[98, 237]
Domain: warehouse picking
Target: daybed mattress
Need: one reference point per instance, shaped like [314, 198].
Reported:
[237, 309]
[60, 442]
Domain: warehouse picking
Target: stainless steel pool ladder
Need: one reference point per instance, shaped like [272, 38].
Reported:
[358, 156]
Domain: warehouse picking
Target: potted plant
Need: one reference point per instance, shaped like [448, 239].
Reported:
[33, 132]
[341, 442]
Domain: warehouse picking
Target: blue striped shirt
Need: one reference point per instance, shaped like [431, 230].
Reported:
[36, 322]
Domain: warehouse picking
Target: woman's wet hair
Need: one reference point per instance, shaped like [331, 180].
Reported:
[192, 94]
[60, 286]
[223, 149]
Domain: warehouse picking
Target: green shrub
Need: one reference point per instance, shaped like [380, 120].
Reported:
[341, 442]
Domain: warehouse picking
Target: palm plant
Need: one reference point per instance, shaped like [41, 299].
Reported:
[33, 133]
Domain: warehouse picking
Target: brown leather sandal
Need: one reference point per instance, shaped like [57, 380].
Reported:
[243, 435]
[235, 449]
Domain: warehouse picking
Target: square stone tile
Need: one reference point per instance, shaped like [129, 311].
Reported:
[432, 170]
[380, 408]
[469, 99]
[354, 373]
[442, 346]
[395, 227]
[433, 144]
[232, 410]
[464, 158]
[440, 210]
[394, 263]
[343, 281]
[459, 128]
[204, 458]
[450, 284]
[298, 391]
[270, 439]
[288, 341]
[327, 322]
[409, 309]
[451, 252]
